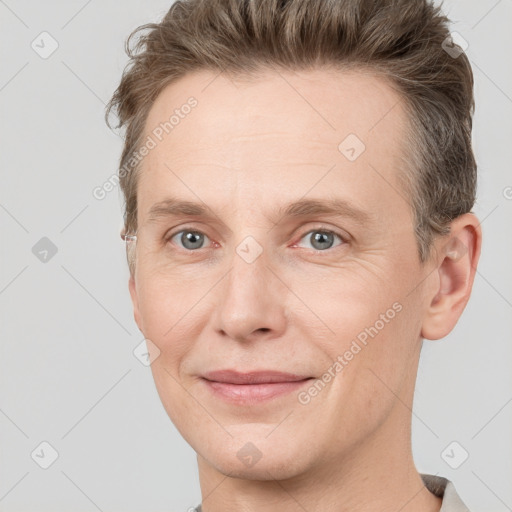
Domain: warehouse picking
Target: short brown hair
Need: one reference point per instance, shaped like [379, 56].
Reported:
[403, 40]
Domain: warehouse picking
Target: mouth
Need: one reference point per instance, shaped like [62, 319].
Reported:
[252, 387]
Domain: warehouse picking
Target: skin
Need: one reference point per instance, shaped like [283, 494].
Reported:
[248, 148]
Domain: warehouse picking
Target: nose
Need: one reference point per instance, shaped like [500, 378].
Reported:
[251, 301]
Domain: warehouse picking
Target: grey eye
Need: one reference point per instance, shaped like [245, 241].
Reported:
[191, 240]
[321, 240]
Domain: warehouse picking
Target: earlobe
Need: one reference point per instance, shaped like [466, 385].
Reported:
[135, 302]
[454, 275]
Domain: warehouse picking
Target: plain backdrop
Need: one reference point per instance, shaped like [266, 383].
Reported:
[68, 374]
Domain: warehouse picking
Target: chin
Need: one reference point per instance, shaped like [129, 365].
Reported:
[257, 459]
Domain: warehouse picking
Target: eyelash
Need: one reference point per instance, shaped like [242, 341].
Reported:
[320, 229]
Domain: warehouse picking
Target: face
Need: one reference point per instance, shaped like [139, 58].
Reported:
[268, 278]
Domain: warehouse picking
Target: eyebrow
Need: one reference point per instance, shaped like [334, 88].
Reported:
[173, 207]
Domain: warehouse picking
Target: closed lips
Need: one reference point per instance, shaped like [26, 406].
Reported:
[255, 377]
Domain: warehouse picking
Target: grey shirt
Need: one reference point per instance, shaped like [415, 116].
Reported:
[437, 485]
[445, 489]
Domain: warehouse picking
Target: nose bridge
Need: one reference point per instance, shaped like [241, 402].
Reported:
[250, 299]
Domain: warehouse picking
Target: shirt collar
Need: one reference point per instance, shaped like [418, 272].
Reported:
[444, 488]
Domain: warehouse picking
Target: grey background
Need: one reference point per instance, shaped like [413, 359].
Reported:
[68, 375]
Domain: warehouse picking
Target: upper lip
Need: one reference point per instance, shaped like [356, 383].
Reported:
[254, 377]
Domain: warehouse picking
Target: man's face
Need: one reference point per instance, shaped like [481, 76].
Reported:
[251, 287]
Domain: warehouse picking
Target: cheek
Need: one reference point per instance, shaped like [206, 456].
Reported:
[182, 409]
[344, 303]
[384, 366]
[165, 298]
[372, 334]
[166, 316]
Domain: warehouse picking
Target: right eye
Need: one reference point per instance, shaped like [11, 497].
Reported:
[190, 239]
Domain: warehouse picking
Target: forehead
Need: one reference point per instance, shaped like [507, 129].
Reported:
[322, 104]
[284, 130]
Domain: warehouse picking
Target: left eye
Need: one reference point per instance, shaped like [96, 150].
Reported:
[321, 239]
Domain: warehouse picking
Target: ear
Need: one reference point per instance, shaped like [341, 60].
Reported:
[135, 302]
[453, 275]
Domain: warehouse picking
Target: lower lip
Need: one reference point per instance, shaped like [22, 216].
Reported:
[252, 393]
